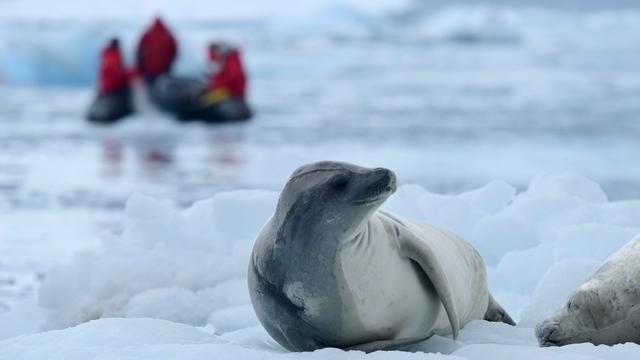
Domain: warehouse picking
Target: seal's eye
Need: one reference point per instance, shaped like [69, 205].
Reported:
[339, 183]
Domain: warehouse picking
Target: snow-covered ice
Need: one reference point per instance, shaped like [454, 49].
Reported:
[153, 338]
[175, 279]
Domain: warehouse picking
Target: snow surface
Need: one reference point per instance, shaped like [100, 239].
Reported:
[174, 283]
[153, 339]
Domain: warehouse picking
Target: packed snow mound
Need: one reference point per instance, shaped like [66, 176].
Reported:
[173, 285]
[139, 339]
[160, 339]
[185, 266]
[190, 266]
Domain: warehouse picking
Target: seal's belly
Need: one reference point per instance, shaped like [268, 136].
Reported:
[391, 298]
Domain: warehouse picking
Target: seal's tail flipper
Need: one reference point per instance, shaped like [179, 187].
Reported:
[496, 313]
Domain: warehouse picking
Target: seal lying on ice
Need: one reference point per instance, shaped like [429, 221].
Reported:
[330, 270]
[603, 310]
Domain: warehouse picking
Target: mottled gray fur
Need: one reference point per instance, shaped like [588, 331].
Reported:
[603, 310]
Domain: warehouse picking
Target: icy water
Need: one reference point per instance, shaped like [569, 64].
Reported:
[445, 104]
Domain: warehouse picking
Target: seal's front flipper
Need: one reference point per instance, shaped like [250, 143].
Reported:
[496, 313]
[422, 252]
[396, 344]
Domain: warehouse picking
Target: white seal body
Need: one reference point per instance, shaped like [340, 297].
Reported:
[393, 298]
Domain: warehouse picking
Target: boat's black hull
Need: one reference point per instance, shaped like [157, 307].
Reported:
[182, 97]
[110, 108]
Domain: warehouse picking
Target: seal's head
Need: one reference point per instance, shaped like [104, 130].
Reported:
[339, 194]
[587, 316]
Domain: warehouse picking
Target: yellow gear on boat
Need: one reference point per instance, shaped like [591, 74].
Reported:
[214, 96]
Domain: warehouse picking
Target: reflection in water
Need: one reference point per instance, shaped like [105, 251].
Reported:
[226, 158]
[225, 148]
[155, 159]
[181, 163]
[111, 159]
[154, 153]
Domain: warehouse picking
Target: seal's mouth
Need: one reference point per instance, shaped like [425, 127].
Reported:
[382, 184]
[550, 343]
[548, 334]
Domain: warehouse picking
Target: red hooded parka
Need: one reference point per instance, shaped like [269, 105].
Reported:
[156, 51]
[231, 74]
[113, 73]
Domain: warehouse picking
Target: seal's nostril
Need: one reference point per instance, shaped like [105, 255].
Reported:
[547, 334]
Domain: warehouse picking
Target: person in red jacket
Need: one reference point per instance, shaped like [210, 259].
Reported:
[224, 96]
[157, 51]
[231, 74]
[114, 100]
[113, 72]
[227, 78]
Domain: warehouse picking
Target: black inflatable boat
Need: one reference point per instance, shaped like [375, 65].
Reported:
[182, 96]
[110, 108]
